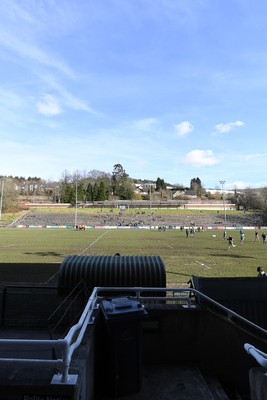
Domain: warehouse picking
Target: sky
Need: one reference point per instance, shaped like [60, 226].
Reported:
[175, 89]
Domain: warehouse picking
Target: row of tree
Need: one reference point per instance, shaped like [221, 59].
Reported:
[77, 187]
[100, 186]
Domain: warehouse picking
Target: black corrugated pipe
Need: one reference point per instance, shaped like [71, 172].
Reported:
[112, 271]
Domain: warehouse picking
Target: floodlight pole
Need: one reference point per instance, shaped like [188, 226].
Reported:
[76, 200]
[222, 183]
[2, 194]
[58, 194]
[150, 205]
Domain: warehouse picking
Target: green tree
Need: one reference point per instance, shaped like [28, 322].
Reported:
[89, 192]
[102, 192]
[67, 193]
[118, 175]
[160, 184]
[80, 192]
[126, 191]
[196, 185]
[121, 184]
[249, 200]
[95, 192]
[10, 195]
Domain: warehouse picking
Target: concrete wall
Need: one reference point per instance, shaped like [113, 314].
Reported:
[170, 335]
[199, 336]
[29, 273]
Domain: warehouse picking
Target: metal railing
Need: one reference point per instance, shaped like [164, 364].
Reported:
[72, 340]
[259, 355]
[65, 346]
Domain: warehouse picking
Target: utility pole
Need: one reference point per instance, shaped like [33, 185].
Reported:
[222, 183]
[2, 194]
[76, 201]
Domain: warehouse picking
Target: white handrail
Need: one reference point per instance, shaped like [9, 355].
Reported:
[73, 339]
[66, 346]
[81, 325]
[259, 355]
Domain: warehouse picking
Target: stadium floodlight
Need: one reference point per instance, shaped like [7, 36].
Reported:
[2, 194]
[76, 201]
[149, 185]
[222, 183]
[150, 204]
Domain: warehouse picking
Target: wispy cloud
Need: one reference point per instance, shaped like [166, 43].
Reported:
[245, 185]
[200, 158]
[23, 29]
[227, 127]
[145, 124]
[184, 128]
[254, 156]
[30, 50]
[49, 105]
[66, 98]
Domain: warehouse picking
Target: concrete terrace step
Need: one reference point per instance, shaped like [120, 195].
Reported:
[109, 219]
[167, 382]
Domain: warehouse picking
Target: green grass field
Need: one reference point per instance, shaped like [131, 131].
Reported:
[203, 255]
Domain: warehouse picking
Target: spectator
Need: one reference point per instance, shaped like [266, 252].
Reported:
[261, 273]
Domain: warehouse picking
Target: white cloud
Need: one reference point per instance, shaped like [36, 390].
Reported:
[254, 156]
[145, 124]
[48, 105]
[200, 158]
[246, 185]
[225, 128]
[184, 128]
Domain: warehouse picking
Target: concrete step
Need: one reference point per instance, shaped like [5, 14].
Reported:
[177, 383]
[215, 388]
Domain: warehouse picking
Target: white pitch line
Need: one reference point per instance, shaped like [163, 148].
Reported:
[52, 277]
[100, 237]
[203, 265]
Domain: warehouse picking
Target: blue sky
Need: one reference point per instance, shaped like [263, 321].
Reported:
[175, 89]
